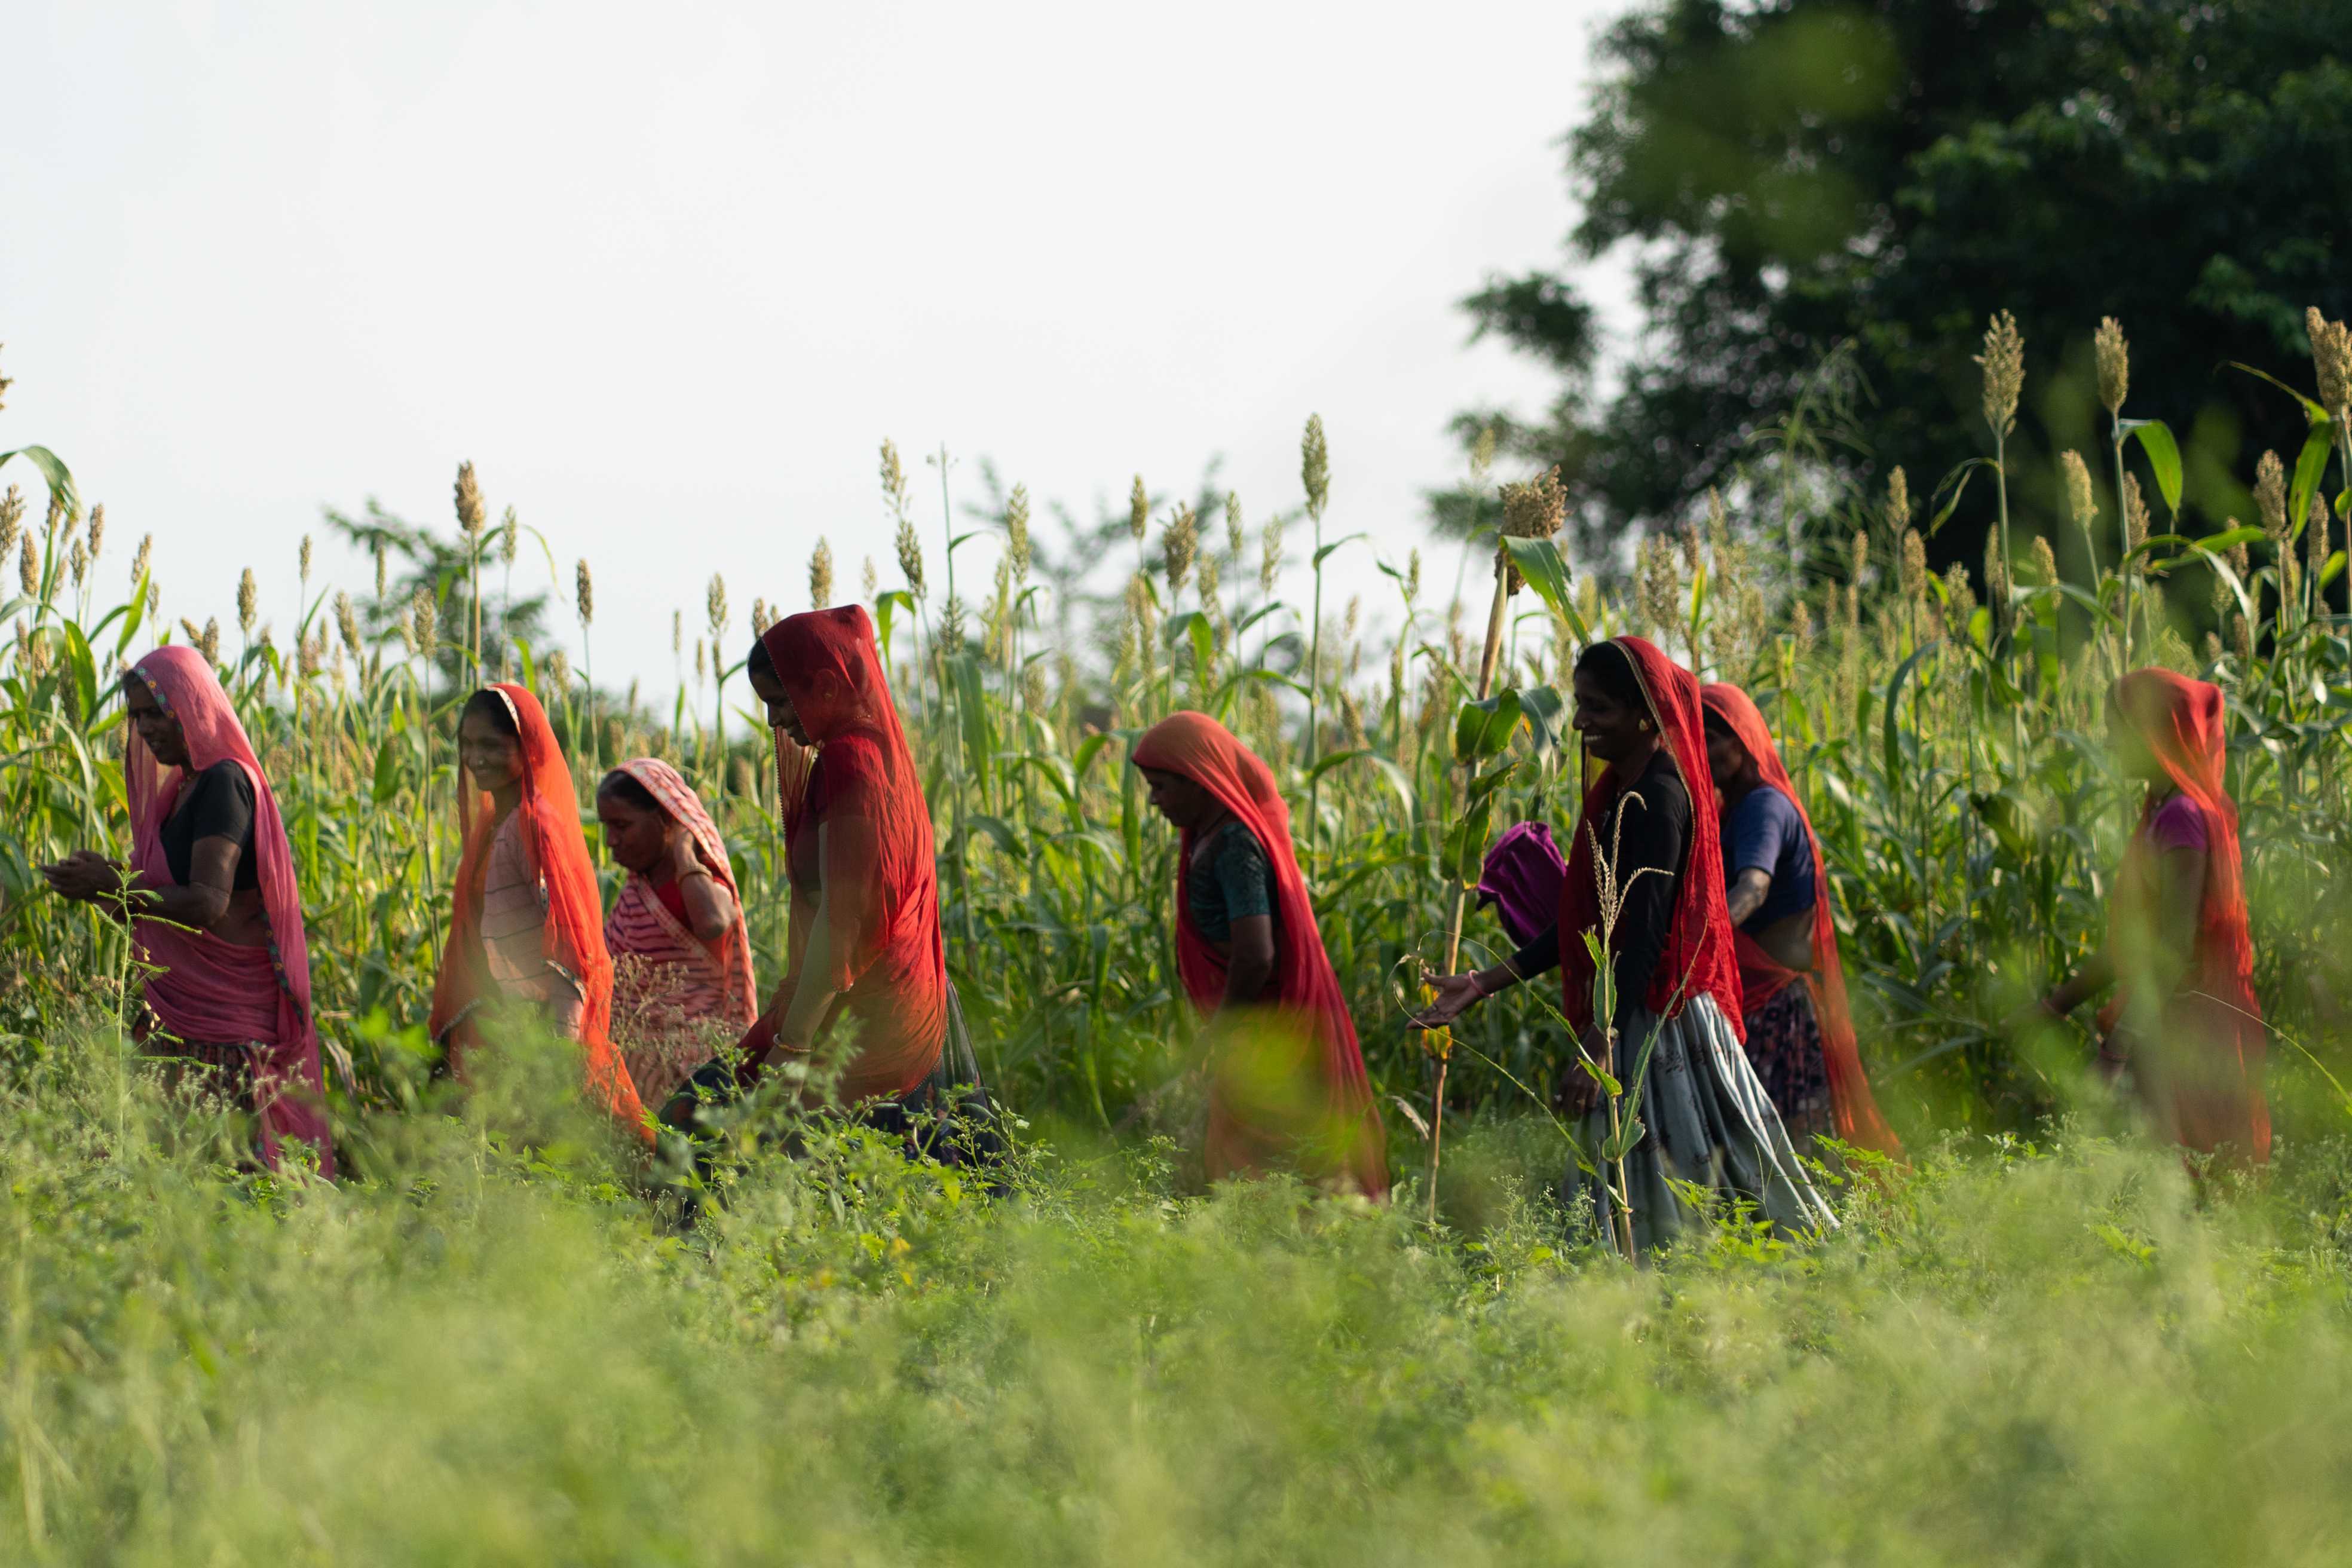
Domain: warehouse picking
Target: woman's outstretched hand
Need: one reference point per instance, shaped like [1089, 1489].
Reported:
[1456, 992]
[84, 875]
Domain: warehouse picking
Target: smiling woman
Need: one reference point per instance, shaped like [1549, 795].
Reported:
[212, 904]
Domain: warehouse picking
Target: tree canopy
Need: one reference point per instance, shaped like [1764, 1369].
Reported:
[1827, 200]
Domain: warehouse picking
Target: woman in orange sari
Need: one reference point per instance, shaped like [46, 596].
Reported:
[2185, 1024]
[526, 923]
[682, 954]
[1799, 1031]
[1287, 1082]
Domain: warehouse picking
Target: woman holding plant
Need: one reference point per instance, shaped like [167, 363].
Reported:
[2185, 1024]
[1650, 990]
[526, 927]
[216, 917]
[1286, 1082]
[1799, 1030]
[682, 953]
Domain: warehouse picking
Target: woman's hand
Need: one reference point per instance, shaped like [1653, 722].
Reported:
[1455, 994]
[1577, 1090]
[84, 875]
[684, 859]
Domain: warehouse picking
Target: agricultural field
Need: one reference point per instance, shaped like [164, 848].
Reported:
[2047, 1341]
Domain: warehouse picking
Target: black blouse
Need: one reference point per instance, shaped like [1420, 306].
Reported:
[216, 803]
[1654, 838]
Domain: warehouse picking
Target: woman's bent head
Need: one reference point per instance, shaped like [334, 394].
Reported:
[637, 831]
[157, 727]
[487, 742]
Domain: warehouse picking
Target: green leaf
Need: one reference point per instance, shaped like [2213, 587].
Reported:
[2308, 467]
[83, 670]
[1482, 728]
[971, 710]
[1326, 549]
[1956, 481]
[54, 470]
[997, 829]
[1544, 709]
[2312, 410]
[2155, 438]
[1893, 752]
[1539, 561]
[886, 609]
[387, 780]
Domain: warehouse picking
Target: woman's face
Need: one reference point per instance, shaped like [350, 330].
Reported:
[1727, 761]
[1611, 729]
[781, 714]
[638, 838]
[158, 731]
[1179, 799]
[494, 760]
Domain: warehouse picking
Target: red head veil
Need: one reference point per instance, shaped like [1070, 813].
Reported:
[888, 958]
[203, 970]
[1850, 1102]
[1199, 748]
[575, 933]
[678, 798]
[1697, 959]
[2218, 1100]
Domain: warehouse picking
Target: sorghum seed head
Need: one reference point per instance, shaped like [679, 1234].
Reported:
[871, 580]
[1915, 566]
[347, 622]
[248, 602]
[820, 573]
[425, 614]
[304, 557]
[583, 593]
[78, 561]
[510, 535]
[1536, 508]
[894, 482]
[2004, 371]
[139, 557]
[379, 572]
[1269, 570]
[2081, 503]
[28, 567]
[2331, 358]
[1016, 531]
[677, 633]
[12, 518]
[2135, 519]
[2045, 561]
[1235, 535]
[1180, 542]
[1138, 511]
[1898, 500]
[2269, 495]
[2114, 356]
[1315, 467]
[714, 603]
[472, 517]
[210, 641]
[910, 559]
[559, 670]
[98, 531]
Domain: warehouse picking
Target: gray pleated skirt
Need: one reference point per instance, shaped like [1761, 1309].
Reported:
[1707, 1122]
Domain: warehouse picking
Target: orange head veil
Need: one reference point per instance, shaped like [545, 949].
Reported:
[1855, 1108]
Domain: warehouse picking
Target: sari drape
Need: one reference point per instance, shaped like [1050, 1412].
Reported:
[1853, 1107]
[1697, 956]
[1345, 1138]
[878, 869]
[209, 990]
[573, 935]
[2203, 1074]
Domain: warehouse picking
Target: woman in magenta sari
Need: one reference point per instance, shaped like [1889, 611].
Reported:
[681, 954]
[215, 916]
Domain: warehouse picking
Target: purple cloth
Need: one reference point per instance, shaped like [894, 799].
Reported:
[1522, 878]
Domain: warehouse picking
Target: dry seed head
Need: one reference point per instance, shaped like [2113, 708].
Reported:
[2242, 632]
[1181, 542]
[12, 518]
[379, 572]
[1016, 531]
[248, 602]
[347, 622]
[1138, 511]
[1537, 508]
[2004, 371]
[2081, 503]
[1412, 578]
[471, 515]
[701, 662]
[910, 559]
[1858, 559]
[304, 558]
[2331, 357]
[871, 580]
[559, 670]
[78, 561]
[1661, 585]
[1269, 570]
[186, 625]
[1236, 536]
[714, 603]
[741, 778]
[894, 482]
[1315, 467]
[1032, 687]
[2135, 519]
[28, 567]
[2045, 561]
[1996, 580]
[677, 633]
[2212, 647]
[56, 513]
[2269, 495]
[2316, 543]
[1963, 598]
[1898, 500]
[312, 655]
[425, 614]
[33, 652]
[1481, 455]
[140, 557]
[821, 575]
[509, 535]
[210, 641]
[2114, 356]
[98, 531]
[583, 593]
[1801, 617]
[154, 600]
[1208, 584]
[1694, 554]
[407, 628]
[951, 622]
[1914, 567]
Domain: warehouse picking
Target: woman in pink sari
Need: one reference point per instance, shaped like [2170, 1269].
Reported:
[214, 914]
[681, 954]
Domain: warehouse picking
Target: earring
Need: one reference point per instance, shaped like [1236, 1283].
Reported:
[1646, 726]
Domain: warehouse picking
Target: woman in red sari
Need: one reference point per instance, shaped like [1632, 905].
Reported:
[214, 909]
[526, 923]
[1286, 1082]
[2185, 1023]
[1799, 1029]
[1646, 843]
[866, 969]
[682, 954]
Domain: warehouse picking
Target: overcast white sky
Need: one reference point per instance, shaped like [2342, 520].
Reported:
[669, 274]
